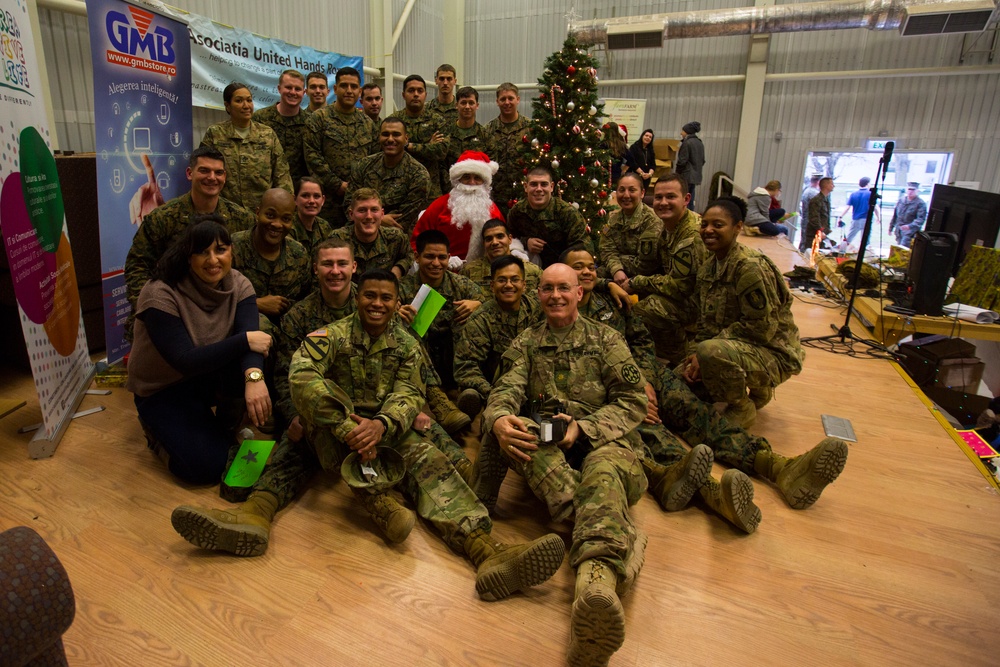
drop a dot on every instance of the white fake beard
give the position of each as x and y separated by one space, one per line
471 204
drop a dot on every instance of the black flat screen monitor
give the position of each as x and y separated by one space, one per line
971 215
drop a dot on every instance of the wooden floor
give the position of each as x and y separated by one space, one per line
894 564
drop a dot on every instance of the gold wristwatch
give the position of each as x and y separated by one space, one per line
254 376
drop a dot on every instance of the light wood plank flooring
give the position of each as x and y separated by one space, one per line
894 564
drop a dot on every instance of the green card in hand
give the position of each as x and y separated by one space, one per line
428 303
249 463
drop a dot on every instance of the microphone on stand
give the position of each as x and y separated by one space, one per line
887 155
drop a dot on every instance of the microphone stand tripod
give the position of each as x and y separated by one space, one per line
844 333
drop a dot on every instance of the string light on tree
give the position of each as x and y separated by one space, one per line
565 134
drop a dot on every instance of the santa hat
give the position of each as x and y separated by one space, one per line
473 162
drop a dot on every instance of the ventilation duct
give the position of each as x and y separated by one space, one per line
947 18
910 17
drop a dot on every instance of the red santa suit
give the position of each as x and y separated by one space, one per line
462 213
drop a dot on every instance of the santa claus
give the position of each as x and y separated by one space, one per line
462 213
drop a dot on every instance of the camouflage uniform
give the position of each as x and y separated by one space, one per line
818 219
345 371
321 231
449 110
403 188
485 337
160 229
442 336
591 371
253 165
910 213
667 298
390 248
333 143
474 138
289 275
746 334
558 224
601 308
631 244
696 421
432 156
478 271
508 141
290 131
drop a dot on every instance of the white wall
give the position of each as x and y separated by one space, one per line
509 40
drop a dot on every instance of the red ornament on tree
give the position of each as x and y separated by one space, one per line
546 148
524 138
582 169
571 70
603 194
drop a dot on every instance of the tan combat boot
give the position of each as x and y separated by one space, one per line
243 532
673 487
447 413
732 499
742 413
504 569
633 563
394 520
598 623
802 479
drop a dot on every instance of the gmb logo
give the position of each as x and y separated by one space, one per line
135 38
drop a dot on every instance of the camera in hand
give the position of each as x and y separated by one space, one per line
550 429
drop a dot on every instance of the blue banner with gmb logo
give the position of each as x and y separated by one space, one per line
142 108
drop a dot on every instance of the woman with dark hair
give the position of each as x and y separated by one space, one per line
197 346
255 161
641 158
691 156
747 339
614 141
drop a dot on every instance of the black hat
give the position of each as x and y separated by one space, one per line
694 127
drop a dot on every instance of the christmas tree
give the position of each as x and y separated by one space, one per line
566 135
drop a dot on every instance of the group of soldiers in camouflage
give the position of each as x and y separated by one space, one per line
584 394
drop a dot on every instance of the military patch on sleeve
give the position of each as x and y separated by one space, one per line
316 348
683 262
756 299
631 374
318 332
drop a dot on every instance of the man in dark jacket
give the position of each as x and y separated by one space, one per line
691 156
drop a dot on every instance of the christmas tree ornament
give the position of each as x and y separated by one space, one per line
555 164
571 70
576 205
576 129
602 213
570 105
534 142
524 139
598 164
603 194
546 147
592 111
582 169
594 182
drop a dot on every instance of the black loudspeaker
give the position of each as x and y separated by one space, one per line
930 268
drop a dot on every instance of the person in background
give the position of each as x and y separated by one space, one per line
507 132
288 120
760 215
444 103
197 346
909 216
819 215
309 229
371 102
375 246
690 156
427 133
318 90
641 158
857 203
808 193
254 156
337 137
614 141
